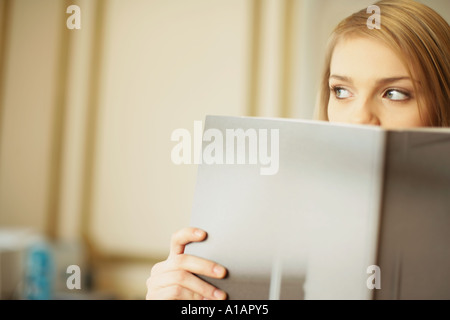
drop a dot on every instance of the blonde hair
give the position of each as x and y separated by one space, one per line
420 37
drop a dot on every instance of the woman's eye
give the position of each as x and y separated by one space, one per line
396 95
341 93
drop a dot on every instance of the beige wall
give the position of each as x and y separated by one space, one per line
190 61
29 93
86 115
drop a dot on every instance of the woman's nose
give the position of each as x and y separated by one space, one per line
365 112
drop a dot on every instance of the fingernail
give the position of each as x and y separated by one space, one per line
219 294
218 270
199 233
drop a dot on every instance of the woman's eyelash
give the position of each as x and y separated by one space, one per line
333 88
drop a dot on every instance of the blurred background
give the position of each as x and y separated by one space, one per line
86 117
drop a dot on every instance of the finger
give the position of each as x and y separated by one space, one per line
184 236
191 264
175 292
195 265
188 281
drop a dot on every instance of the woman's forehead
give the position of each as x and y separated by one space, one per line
366 57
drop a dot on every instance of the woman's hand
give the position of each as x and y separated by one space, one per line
174 278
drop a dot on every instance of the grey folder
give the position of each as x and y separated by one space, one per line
345 198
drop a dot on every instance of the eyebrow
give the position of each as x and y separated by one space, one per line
379 81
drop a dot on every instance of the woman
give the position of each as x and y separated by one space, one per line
395 77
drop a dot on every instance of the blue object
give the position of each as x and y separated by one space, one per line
39 272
